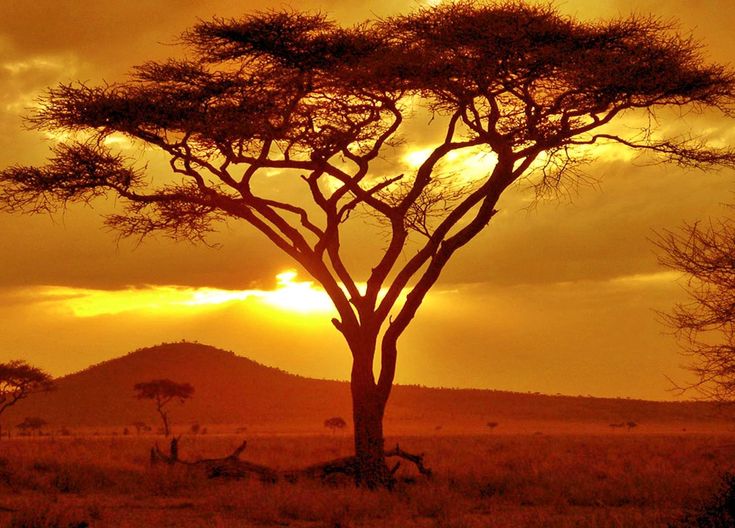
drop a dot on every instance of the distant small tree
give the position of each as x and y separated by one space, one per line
23 429
492 425
18 380
631 424
335 423
139 426
32 423
195 428
163 392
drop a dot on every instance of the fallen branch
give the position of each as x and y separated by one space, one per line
417 460
232 467
323 470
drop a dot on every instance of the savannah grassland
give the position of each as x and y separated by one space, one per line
611 479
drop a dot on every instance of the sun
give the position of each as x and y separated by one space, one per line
297 296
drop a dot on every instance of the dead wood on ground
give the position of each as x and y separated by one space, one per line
232 466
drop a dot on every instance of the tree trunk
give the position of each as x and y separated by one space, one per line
368 408
164 417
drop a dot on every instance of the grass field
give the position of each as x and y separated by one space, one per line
537 480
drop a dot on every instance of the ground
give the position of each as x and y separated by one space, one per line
616 478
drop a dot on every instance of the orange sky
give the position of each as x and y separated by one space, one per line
560 298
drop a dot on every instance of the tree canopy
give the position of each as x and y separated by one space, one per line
18 380
33 423
334 423
163 392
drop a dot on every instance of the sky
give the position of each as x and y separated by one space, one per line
557 298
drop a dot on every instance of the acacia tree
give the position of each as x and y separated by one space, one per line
139 426
705 323
334 423
295 98
18 380
32 423
163 392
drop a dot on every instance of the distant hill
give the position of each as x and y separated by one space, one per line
230 389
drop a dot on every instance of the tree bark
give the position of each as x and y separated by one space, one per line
368 407
164 417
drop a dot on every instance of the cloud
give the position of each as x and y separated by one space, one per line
599 233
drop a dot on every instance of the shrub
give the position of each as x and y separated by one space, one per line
48 515
717 512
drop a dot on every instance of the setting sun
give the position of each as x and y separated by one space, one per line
297 296
290 295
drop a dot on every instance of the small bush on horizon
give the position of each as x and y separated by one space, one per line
337 422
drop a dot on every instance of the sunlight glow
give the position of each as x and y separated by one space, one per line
468 164
415 158
33 64
661 277
118 140
290 295
300 297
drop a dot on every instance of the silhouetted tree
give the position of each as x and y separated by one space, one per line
18 380
492 425
139 426
705 323
295 98
163 391
32 423
335 423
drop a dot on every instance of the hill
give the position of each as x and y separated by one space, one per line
230 389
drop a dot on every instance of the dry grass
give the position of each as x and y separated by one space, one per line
554 481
